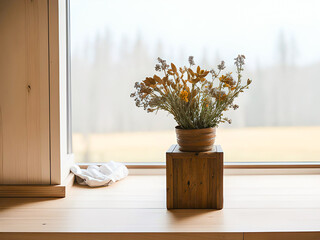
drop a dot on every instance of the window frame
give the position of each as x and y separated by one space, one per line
161 165
227 165
68 79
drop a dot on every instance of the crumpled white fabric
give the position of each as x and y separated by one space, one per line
95 176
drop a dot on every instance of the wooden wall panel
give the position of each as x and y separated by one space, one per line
54 91
24 92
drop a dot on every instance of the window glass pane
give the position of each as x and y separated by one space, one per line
116 43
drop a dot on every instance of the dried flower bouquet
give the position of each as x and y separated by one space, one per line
194 99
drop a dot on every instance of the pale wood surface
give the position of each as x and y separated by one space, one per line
256 203
38 191
32 92
54 91
24 93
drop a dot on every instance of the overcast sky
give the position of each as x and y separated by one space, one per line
220 28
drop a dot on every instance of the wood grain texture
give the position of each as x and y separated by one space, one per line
54 91
283 236
93 219
32 191
195 140
37 191
38 164
194 179
169 176
24 92
141 191
122 236
137 204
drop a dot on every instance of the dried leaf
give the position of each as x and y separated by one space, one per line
173 67
170 72
149 82
157 79
204 74
165 79
191 72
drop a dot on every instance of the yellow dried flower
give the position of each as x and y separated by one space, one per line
184 95
178 86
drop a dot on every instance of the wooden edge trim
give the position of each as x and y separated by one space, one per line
312 235
54 91
308 235
37 191
122 235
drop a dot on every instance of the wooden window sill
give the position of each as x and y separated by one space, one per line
256 207
227 165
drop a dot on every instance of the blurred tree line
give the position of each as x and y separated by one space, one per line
284 94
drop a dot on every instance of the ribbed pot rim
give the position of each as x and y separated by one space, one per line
195 129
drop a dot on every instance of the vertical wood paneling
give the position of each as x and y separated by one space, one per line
54 91
38 163
219 165
24 92
44 93
13 91
169 177
212 201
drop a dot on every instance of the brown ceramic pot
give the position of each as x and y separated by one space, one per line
195 140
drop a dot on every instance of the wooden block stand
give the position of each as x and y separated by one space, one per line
194 179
